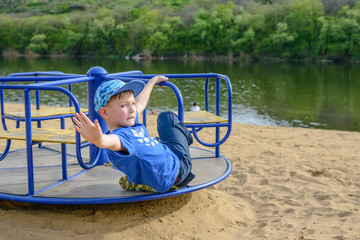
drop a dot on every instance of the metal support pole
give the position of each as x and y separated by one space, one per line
63 153
99 75
217 148
37 98
29 152
207 94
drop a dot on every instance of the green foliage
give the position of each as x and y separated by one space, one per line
73 44
100 36
5 25
282 39
176 35
278 28
210 28
303 20
324 36
157 43
38 44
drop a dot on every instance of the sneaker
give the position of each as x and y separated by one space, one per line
174 188
130 186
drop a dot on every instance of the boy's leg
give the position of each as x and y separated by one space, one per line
174 134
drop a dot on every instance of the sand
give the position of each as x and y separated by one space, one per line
287 183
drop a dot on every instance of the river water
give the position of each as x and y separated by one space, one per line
279 94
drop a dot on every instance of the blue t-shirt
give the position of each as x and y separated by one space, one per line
148 162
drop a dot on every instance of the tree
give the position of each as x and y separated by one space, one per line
350 24
250 25
74 42
21 30
199 31
302 19
175 31
209 29
38 44
143 27
51 27
246 43
324 36
281 39
5 26
333 6
337 38
100 35
121 36
158 43
345 33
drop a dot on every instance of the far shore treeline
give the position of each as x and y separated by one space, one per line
239 29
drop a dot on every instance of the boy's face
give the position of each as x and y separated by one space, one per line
121 112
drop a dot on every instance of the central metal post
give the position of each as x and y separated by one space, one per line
99 75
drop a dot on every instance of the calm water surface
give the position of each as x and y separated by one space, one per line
298 95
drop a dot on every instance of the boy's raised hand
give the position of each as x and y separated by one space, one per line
90 131
143 98
159 79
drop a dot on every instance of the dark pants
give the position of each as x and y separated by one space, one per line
173 133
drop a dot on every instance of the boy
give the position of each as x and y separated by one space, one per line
154 165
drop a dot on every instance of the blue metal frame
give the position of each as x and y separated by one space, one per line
51 81
197 127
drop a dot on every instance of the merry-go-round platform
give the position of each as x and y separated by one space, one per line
58 167
91 186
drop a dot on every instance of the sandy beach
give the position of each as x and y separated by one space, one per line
286 183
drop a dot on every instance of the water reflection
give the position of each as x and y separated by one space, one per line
299 95
249 115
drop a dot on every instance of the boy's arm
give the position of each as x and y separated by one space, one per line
143 98
92 132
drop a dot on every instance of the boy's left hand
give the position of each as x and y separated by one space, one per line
159 79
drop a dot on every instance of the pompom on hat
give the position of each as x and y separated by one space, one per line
110 88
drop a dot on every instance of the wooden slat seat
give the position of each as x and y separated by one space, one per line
46 112
202 117
54 135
